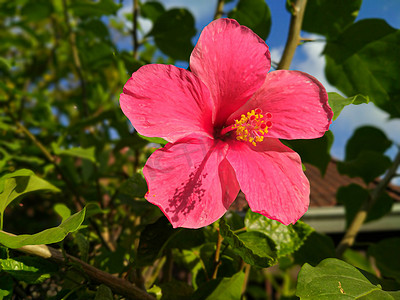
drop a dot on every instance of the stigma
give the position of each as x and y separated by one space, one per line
253 126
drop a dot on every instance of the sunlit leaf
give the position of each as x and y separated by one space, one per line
287 238
48 236
336 279
255 248
338 102
85 153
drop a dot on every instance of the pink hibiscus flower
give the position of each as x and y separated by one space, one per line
223 121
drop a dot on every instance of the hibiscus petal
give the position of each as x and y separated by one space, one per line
191 181
232 61
298 103
168 102
271 176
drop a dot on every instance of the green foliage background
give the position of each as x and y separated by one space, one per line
70 163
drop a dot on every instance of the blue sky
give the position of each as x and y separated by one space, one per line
308 59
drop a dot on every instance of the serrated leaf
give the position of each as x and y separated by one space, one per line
367 138
307 149
173 31
255 248
287 238
85 153
254 14
386 254
338 102
328 17
367 64
368 165
221 289
48 236
29 269
336 279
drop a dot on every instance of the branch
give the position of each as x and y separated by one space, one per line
134 30
219 11
294 34
359 219
117 285
76 59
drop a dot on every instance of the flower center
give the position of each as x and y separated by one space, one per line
251 127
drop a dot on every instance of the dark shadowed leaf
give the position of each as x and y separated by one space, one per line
255 248
88 8
364 60
6 285
336 279
353 196
387 258
328 17
315 248
103 293
151 10
367 138
338 102
254 14
221 289
368 165
308 149
173 31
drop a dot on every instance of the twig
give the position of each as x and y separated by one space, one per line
359 219
75 56
246 278
134 29
219 11
217 261
294 34
117 285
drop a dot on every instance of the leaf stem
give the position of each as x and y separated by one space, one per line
117 285
294 34
359 219
247 269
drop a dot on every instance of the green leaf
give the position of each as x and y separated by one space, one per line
4 64
367 138
364 60
316 248
338 102
85 153
255 248
173 31
353 196
88 8
176 290
31 270
336 279
35 11
19 183
134 186
254 14
83 245
48 236
6 285
151 10
308 148
328 17
287 238
103 293
62 210
221 289
386 254
368 165
359 260
155 140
